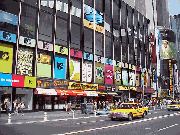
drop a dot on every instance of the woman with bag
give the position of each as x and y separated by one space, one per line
22 106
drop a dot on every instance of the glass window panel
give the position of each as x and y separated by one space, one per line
99 44
89 2
75 36
76 11
45 26
88 34
99 5
124 52
28 19
123 15
117 50
61 32
62 8
30 2
108 47
10 6
108 17
131 53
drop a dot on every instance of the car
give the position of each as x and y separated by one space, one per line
128 111
173 106
102 112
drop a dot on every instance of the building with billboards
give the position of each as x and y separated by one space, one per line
72 50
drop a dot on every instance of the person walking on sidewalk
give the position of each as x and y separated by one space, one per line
8 107
22 106
15 107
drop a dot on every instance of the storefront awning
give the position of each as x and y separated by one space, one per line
91 93
78 93
63 92
45 91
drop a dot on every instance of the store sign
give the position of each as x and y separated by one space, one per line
108 74
108 61
60 68
123 87
61 49
75 53
17 81
51 83
99 72
9 18
45 46
30 82
91 93
5 79
27 41
82 86
7 36
88 56
101 87
99 59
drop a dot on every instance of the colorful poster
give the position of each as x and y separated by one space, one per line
74 69
88 56
5 79
61 49
6 58
108 74
25 61
137 79
6 36
30 82
17 81
60 68
76 53
9 18
117 75
89 72
84 72
27 41
168 50
124 77
43 65
45 46
142 79
99 72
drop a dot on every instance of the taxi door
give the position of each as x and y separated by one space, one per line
141 110
136 110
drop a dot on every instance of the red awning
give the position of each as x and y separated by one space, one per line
63 92
78 93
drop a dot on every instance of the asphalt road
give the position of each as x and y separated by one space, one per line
156 122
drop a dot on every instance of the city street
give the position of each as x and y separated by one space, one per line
156 122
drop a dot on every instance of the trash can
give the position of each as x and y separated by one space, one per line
89 108
83 107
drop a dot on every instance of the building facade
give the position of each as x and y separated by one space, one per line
54 52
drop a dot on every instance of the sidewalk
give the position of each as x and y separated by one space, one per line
39 117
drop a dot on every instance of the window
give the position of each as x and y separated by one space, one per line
124 52
108 48
45 26
116 17
75 36
61 32
131 53
99 5
108 13
28 21
99 44
130 24
30 2
76 11
117 50
62 8
123 22
88 41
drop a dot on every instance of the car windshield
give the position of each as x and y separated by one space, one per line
126 106
175 103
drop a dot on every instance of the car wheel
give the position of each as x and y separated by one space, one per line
130 117
143 115
113 119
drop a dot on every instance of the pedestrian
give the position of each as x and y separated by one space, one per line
65 106
116 104
22 106
69 107
8 107
14 107
103 103
99 105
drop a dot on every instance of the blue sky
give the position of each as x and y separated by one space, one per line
174 7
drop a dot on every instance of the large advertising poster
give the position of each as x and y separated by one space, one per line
108 74
117 75
43 65
30 82
168 50
132 79
17 81
25 59
6 57
142 79
124 77
5 79
87 72
7 36
74 69
9 18
60 67
137 79
99 72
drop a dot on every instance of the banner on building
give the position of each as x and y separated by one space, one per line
87 72
8 18
117 75
45 46
30 82
7 36
76 53
61 49
99 72
82 86
5 79
17 81
124 77
74 69
27 41
108 74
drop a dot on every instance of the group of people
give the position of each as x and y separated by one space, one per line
16 107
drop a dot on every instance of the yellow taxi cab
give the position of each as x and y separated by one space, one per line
175 105
145 108
128 110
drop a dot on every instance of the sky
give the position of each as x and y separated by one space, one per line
174 7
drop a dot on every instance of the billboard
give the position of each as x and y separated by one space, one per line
6 36
87 72
76 53
60 67
88 56
5 79
25 61
27 41
30 82
132 79
108 74
43 65
6 58
99 72
124 77
17 81
168 50
74 69
137 79
45 46
61 49
117 75
8 18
